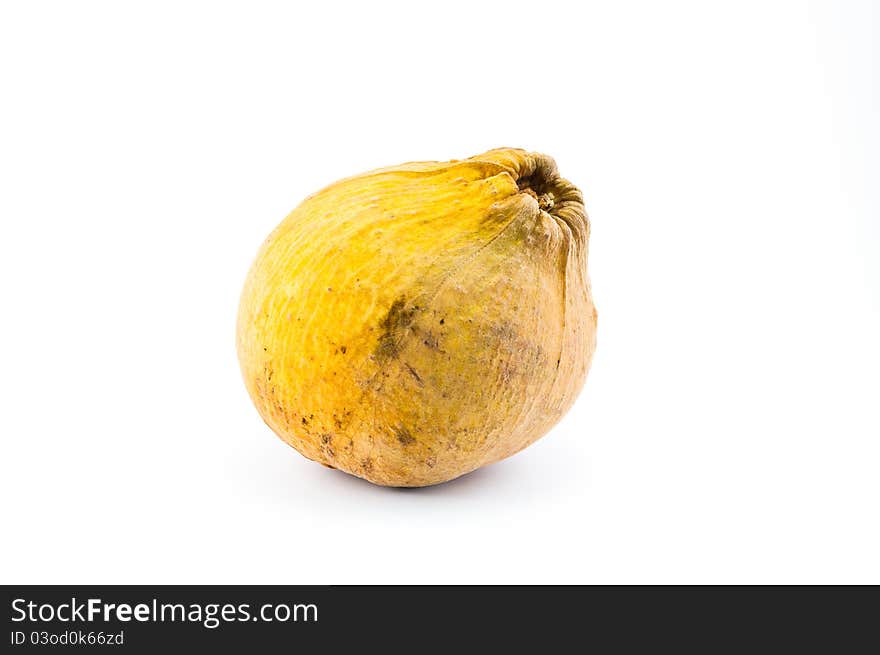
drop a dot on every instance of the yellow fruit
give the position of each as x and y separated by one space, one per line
414 323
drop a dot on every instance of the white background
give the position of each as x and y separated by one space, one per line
730 429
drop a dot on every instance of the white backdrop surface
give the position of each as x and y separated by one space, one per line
729 429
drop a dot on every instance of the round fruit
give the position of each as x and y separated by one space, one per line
414 323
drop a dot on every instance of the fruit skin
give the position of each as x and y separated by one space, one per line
414 323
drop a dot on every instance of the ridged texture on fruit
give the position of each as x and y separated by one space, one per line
414 323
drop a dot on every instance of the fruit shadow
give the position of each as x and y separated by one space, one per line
467 483
545 470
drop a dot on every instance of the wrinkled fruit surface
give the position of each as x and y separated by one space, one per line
414 323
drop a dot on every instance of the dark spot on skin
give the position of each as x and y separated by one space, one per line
431 461
367 464
404 437
265 349
442 321
394 326
325 445
430 341
343 349
305 421
414 373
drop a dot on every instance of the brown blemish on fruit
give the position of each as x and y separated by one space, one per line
404 436
394 327
431 341
414 373
327 449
